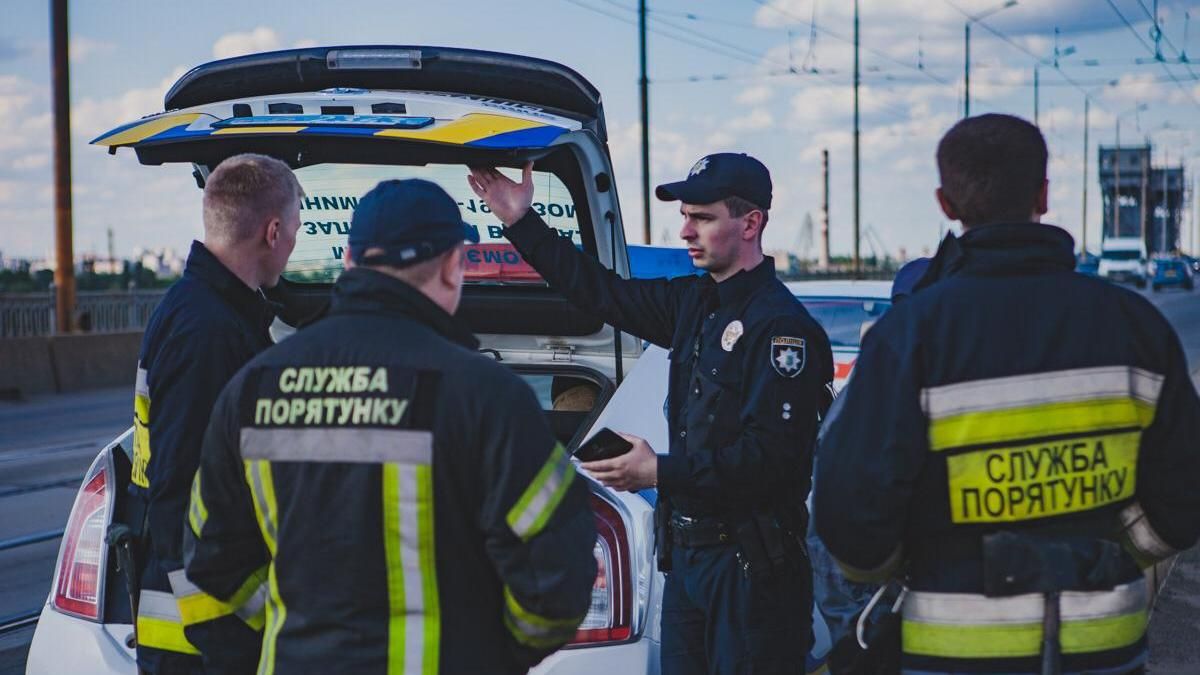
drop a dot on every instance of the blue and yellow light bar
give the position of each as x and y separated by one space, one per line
479 130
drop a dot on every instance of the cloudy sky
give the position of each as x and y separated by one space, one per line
768 77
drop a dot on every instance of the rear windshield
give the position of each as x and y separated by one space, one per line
1121 255
333 190
845 320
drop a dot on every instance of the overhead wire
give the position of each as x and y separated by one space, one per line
1156 51
837 36
724 48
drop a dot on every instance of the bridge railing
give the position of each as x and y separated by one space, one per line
32 314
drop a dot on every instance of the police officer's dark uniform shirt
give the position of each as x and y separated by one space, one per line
1007 429
748 369
397 498
207 325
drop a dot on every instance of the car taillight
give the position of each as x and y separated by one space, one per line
610 618
83 556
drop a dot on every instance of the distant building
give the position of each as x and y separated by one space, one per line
1140 199
164 262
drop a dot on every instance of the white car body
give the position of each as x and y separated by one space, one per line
1123 259
810 293
91 613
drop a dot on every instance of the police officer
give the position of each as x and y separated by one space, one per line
749 369
395 497
1017 438
208 324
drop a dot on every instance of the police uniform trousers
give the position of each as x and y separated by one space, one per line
717 620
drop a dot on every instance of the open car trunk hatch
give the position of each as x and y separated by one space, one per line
358 127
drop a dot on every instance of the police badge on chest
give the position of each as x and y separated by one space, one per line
788 355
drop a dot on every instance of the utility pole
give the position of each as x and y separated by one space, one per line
1086 104
1035 95
1116 228
857 177
966 69
824 261
644 92
1145 185
64 257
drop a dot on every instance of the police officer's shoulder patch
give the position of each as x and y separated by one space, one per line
788 355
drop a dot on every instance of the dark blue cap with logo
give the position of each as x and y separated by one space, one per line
410 220
721 175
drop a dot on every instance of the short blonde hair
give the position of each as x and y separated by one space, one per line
244 192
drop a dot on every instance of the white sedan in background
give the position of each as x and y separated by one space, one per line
846 310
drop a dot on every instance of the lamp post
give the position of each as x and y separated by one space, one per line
967 51
1117 174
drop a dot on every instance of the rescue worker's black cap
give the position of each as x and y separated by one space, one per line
721 175
411 220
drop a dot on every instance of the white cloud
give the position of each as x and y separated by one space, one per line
83 47
37 160
756 95
261 39
91 117
305 43
756 120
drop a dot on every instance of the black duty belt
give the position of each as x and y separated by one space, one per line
699 532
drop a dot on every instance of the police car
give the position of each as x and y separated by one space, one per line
846 310
345 118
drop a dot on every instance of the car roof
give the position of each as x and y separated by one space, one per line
879 290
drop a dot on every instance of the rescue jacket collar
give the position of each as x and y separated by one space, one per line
366 291
1002 248
249 303
739 286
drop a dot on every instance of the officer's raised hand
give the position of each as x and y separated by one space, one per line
506 198
634 470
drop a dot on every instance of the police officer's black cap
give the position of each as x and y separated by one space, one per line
410 220
719 176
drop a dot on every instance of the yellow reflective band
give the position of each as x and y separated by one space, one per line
1035 421
1019 639
143 131
395 573
429 585
276 615
196 606
163 634
262 490
467 128
534 630
414 621
1045 479
539 501
141 440
197 512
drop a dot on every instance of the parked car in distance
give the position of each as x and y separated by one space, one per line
846 310
1123 259
1169 272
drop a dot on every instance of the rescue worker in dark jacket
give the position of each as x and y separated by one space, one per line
1018 440
749 372
210 323
399 496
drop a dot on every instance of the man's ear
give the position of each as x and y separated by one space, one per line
452 266
347 259
947 205
1043 200
753 225
273 232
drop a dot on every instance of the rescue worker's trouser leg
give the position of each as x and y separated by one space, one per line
715 620
839 599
